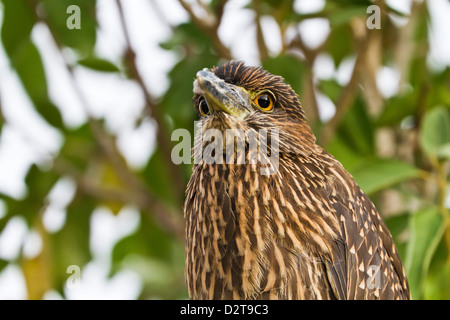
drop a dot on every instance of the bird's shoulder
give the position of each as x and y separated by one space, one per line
362 260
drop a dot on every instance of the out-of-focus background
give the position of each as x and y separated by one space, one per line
91 91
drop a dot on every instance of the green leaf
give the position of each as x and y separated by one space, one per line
155 174
331 88
5 218
98 64
439 93
187 35
177 102
357 129
350 3
341 12
3 264
343 16
162 280
397 108
80 147
18 20
291 68
30 69
437 283
435 132
398 226
24 56
2 120
70 245
375 175
82 40
437 286
426 230
39 184
443 152
156 256
156 273
149 240
346 155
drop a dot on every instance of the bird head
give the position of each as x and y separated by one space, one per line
236 96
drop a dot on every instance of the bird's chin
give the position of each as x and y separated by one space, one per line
223 121
219 130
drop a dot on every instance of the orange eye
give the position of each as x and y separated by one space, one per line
264 101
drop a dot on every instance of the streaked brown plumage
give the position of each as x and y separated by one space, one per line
305 232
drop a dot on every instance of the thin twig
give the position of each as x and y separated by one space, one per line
441 182
220 10
311 106
138 192
159 12
167 220
209 27
262 47
2 117
162 135
348 94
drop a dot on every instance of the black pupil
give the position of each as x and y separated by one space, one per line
204 108
264 101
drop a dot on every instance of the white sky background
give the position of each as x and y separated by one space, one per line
27 139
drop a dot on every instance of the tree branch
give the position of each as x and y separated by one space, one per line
220 10
138 197
310 104
210 27
138 193
2 117
162 135
348 94
262 47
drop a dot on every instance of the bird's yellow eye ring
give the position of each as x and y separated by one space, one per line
203 107
264 101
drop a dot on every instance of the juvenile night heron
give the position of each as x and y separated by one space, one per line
307 231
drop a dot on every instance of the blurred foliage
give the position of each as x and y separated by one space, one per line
397 148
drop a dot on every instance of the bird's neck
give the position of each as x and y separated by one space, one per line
236 217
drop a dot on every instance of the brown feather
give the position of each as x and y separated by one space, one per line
306 232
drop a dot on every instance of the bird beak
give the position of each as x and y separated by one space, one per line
222 96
